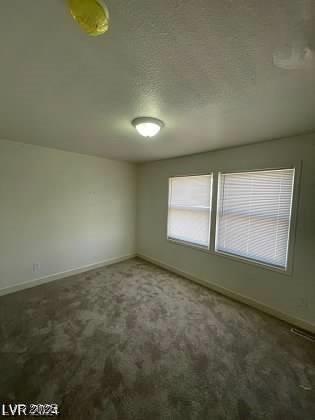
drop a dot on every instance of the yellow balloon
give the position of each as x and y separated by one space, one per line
91 15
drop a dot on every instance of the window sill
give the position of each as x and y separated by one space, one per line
189 245
235 258
254 263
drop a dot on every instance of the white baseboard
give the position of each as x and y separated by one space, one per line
235 296
64 274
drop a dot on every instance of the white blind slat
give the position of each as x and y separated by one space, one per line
189 209
254 214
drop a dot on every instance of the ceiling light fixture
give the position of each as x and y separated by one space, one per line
147 126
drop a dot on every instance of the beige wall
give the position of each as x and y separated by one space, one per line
61 210
293 295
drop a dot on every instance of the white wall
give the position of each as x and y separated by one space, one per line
292 295
61 210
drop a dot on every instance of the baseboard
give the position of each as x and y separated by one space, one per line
235 296
61 275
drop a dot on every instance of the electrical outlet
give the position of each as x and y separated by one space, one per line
36 267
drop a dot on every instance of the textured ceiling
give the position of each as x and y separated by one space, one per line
206 68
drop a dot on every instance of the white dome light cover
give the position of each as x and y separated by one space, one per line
147 126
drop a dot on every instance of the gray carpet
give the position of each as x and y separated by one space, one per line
133 341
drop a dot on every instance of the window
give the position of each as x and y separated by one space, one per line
189 209
254 214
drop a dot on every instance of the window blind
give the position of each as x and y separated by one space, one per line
254 214
189 209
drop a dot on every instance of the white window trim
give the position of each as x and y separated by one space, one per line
297 165
291 241
187 243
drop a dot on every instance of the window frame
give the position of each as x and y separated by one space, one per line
292 228
180 241
210 250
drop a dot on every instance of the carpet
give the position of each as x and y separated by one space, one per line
133 341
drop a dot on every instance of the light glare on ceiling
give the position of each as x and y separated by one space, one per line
147 127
